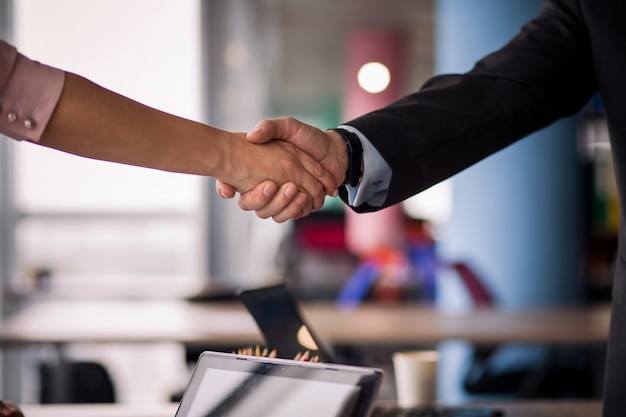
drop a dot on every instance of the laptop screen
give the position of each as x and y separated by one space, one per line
231 385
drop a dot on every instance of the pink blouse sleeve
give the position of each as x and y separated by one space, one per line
29 93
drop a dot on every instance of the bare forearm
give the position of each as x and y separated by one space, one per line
93 122
96 123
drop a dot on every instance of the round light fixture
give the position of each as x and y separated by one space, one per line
374 77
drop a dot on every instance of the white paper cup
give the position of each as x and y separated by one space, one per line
416 377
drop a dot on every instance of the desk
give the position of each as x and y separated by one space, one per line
228 324
551 409
100 410
512 409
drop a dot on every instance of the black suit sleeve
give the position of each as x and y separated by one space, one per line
454 121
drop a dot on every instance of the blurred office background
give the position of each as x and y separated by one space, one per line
523 219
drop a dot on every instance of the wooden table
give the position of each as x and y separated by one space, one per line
62 322
99 410
217 324
551 409
512 409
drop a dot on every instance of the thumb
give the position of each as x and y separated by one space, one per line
262 132
284 128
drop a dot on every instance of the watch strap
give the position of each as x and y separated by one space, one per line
355 156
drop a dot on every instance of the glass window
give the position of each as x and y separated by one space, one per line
97 225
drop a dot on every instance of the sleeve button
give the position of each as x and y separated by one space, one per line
12 116
30 123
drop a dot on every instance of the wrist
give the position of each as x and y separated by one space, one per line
338 154
353 151
230 158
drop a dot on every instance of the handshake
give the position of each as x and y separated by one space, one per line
309 164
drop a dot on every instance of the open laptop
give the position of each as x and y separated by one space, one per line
284 328
230 385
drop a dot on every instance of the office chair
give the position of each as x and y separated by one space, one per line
83 382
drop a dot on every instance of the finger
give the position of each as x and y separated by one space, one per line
287 203
294 210
315 179
281 200
315 189
315 185
258 197
224 190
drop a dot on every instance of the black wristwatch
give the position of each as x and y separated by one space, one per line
355 157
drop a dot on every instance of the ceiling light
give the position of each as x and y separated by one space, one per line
374 77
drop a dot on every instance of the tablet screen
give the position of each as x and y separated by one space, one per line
242 386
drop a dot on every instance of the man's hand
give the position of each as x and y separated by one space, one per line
303 181
325 147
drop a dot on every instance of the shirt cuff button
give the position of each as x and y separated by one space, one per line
30 123
12 116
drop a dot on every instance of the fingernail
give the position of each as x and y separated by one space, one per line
269 190
221 193
291 191
257 129
301 200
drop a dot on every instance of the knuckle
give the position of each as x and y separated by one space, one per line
319 192
319 170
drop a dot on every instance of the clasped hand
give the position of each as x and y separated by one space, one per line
294 198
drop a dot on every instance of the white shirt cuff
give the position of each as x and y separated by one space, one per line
376 175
